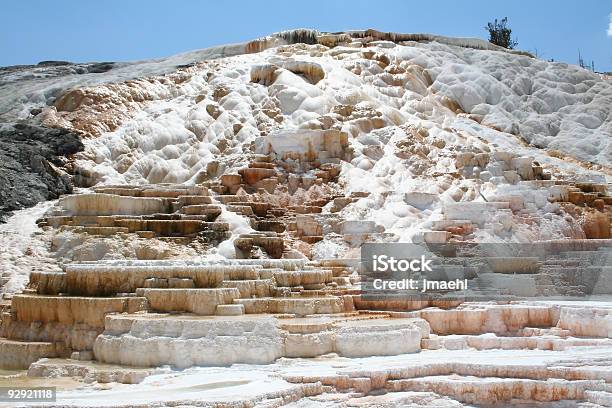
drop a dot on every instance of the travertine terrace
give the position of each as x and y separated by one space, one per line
214 240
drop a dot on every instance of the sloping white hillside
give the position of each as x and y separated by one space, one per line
550 105
411 110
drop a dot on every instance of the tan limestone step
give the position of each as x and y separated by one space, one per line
197 301
18 355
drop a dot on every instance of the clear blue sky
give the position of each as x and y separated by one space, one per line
120 30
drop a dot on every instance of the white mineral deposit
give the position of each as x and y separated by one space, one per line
209 254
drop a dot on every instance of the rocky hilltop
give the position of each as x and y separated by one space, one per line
222 198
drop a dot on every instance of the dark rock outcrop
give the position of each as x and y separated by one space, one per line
51 69
31 158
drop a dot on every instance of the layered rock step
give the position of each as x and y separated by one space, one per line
110 279
241 192
69 308
153 190
530 191
474 369
165 211
545 268
19 354
539 339
150 313
295 306
196 301
269 241
55 326
524 194
474 390
184 341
